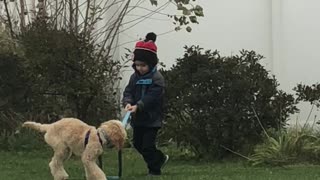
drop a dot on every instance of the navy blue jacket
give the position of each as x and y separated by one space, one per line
147 93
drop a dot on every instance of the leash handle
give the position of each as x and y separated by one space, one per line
126 118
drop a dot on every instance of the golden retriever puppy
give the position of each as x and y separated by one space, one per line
70 135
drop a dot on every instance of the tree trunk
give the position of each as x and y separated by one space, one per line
22 15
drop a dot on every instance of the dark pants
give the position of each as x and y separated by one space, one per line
144 141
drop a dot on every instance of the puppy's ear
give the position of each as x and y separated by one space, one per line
116 132
121 136
109 122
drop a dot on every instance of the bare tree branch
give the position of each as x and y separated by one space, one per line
33 9
116 28
86 17
76 17
8 18
71 10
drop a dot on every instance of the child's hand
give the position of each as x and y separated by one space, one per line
133 108
128 107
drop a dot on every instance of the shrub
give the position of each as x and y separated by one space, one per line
214 101
13 90
21 140
69 76
294 145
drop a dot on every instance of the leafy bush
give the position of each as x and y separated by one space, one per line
21 140
308 93
13 90
69 77
295 145
46 74
8 45
214 101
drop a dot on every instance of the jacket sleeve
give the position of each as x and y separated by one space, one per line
153 97
128 93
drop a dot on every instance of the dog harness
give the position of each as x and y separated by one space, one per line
86 140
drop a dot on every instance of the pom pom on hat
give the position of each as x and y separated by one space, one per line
151 37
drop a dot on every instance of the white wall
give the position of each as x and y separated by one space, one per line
286 32
228 25
298 42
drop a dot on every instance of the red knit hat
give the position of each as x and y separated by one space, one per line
146 51
147 46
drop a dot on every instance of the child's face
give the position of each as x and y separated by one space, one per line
141 67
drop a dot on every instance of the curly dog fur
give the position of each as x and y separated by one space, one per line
67 136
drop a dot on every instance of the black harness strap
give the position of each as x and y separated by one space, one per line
100 140
86 140
100 157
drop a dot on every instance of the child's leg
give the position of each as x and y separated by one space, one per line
153 157
138 133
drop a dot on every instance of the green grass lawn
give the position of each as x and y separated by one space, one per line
34 166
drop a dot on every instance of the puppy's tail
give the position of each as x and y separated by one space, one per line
36 126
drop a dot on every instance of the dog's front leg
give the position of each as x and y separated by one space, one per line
93 172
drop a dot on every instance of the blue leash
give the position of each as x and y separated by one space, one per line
126 119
